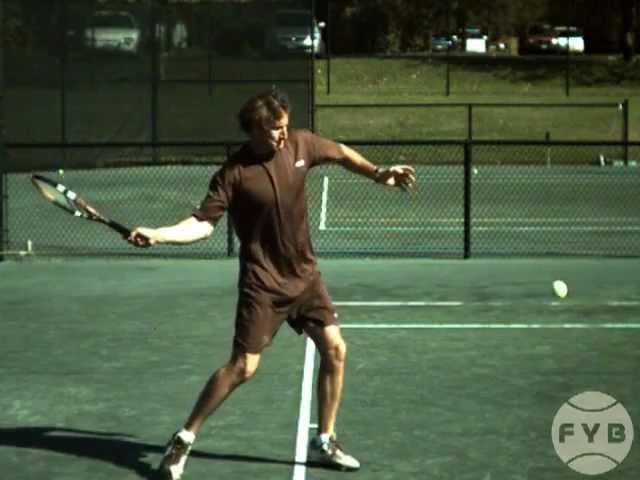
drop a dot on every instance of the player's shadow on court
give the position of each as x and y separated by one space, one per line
114 448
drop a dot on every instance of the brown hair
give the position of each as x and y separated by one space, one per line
262 109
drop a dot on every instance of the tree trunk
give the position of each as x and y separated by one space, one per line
627 11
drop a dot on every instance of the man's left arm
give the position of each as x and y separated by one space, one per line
403 176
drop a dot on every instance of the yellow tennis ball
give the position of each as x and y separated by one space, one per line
560 288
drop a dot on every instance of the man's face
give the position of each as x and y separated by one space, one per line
272 136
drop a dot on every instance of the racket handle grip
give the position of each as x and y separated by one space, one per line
121 229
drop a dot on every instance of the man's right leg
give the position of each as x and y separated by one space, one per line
240 368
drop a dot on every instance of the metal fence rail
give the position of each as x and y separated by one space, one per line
460 73
474 198
477 120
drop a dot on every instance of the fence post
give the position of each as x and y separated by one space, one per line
3 236
571 15
328 73
230 239
210 38
448 76
467 197
469 122
3 206
155 52
3 201
567 76
625 130
64 57
328 47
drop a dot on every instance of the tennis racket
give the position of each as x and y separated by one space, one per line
70 202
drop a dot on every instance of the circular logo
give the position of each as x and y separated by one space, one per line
592 433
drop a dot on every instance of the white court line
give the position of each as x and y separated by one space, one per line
325 199
304 414
435 229
572 221
487 326
528 179
429 303
398 304
623 303
486 229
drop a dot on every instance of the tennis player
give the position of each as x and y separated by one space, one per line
262 188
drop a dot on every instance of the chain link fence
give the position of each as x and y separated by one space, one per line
577 121
143 71
473 198
574 200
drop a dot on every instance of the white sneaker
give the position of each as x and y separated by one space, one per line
175 458
331 454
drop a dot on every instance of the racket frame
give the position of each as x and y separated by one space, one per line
75 205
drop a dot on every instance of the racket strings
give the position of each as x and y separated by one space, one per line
62 197
66 199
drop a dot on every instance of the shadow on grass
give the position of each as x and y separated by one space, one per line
114 448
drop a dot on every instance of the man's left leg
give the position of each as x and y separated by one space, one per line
332 349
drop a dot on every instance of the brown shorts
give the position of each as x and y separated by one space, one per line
259 315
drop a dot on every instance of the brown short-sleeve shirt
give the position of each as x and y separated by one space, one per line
265 198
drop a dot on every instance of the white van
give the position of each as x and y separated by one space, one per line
475 41
571 36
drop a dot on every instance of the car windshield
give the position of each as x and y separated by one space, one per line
540 31
293 19
568 33
111 21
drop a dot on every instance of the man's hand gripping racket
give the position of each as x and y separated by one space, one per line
142 237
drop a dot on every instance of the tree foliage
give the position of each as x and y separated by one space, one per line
407 25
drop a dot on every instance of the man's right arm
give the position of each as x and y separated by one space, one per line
187 231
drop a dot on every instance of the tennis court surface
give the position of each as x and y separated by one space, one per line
456 368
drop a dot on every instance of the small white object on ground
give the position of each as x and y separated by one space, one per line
560 288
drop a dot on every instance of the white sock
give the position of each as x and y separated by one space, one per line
187 436
324 437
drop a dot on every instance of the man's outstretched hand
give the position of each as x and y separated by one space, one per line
403 176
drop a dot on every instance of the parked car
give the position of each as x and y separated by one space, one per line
540 39
295 31
113 30
569 37
444 42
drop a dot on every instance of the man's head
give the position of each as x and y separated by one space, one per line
265 118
